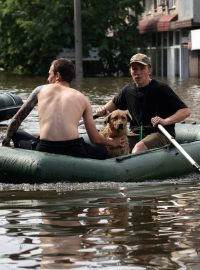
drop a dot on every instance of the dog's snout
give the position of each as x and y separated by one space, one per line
121 126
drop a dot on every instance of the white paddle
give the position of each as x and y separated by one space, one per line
179 147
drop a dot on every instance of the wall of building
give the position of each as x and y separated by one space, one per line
196 8
185 10
189 10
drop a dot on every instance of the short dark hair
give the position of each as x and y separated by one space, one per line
65 67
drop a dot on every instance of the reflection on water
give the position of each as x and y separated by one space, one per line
120 226
138 226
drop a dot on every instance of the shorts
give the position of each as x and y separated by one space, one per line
155 140
77 148
24 140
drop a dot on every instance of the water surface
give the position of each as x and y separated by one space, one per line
120 226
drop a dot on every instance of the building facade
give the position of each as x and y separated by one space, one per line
171 30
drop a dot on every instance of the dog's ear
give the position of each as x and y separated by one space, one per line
129 118
107 119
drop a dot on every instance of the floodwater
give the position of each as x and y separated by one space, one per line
121 226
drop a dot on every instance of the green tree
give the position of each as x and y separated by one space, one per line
111 25
33 32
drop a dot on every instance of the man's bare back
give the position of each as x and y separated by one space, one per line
60 108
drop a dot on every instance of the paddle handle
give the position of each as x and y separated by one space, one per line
95 116
179 147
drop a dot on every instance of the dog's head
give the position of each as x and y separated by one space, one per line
117 120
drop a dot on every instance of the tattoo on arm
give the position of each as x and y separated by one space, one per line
22 113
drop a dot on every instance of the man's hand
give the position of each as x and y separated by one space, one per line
101 111
6 142
157 120
118 141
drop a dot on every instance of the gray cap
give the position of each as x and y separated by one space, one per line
140 58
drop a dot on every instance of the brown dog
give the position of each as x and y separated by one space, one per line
115 125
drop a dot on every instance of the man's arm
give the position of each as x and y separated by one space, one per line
106 109
93 134
20 116
178 116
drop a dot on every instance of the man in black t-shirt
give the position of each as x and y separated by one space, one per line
149 103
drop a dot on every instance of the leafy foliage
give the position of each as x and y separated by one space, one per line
33 32
112 28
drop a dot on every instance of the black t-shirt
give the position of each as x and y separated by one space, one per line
155 99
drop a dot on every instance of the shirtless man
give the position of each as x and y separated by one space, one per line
60 109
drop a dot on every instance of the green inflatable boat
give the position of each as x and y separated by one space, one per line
27 166
9 105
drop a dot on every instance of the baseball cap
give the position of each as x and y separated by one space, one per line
140 58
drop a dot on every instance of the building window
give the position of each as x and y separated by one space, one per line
155 5
161 3
164 37
171 4
149 5
177 38
171 40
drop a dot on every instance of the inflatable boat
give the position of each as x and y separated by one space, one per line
9 105
28 166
